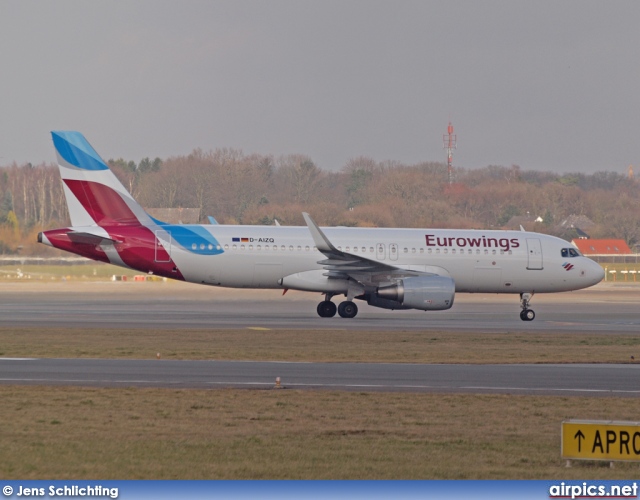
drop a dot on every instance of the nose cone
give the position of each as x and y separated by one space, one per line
595 272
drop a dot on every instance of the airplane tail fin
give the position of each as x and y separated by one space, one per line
94 194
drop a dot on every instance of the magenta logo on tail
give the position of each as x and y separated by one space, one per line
105 206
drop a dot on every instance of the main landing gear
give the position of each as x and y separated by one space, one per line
526 314
327 309
346 309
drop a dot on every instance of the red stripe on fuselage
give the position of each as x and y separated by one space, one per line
105 205
137 250
59 239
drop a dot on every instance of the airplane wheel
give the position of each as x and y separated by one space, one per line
527 315
347 309
326 309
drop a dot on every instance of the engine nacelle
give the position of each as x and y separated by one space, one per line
427 293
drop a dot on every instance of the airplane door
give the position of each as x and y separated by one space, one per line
380 251
163 252
534 255
393 251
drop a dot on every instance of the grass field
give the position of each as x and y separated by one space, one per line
85 271
622 273
79 433
319 345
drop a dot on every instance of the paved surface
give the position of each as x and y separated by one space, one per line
603 309
582 380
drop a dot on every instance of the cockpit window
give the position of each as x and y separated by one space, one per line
569 252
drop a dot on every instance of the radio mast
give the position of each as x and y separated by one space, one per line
449 143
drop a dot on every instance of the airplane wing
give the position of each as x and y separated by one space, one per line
343 265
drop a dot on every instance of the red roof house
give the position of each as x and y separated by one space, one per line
601 247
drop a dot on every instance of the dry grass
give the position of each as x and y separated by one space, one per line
319 345
85 271
80 433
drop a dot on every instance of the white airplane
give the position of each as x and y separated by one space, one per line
388 268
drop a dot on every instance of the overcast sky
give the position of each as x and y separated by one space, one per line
547 85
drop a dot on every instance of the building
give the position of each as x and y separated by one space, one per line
605 251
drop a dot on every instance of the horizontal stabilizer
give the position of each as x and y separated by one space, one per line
89 239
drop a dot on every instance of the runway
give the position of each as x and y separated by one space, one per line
604 308
566 380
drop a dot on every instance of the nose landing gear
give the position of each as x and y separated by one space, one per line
526 314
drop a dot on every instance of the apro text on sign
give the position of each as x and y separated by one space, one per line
601 440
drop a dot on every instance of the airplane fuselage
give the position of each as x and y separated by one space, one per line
388 268
262 256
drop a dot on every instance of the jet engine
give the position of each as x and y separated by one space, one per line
427 293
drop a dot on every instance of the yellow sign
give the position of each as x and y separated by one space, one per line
601 440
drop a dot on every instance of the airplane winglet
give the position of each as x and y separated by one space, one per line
319 238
